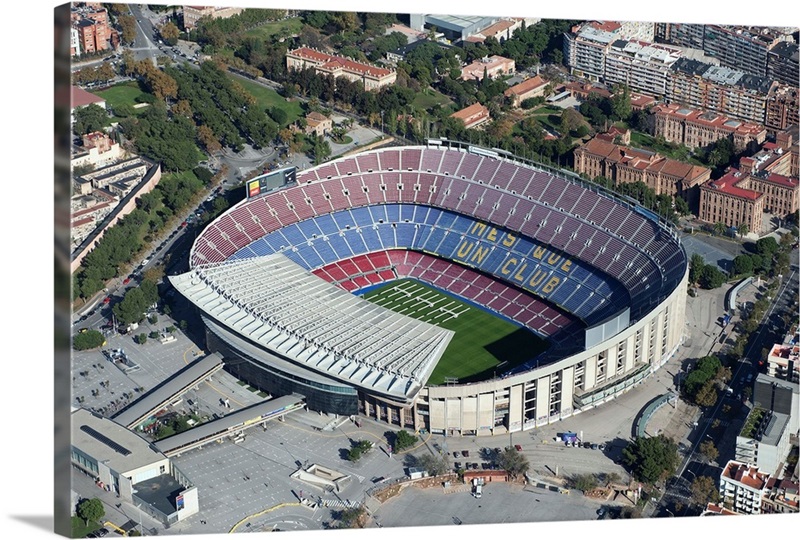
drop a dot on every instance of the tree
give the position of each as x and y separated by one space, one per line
651 458
358 449
704 491
89 339
743 229
403 440
681 206
719 228
170 33
91 510
141 339
711 277
696 265
766 247
708 449
352 517
570 120
584 482
513 462
280 116
742 265
435 465
91 118
128 25
707 395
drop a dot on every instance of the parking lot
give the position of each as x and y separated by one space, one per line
238 480
500 503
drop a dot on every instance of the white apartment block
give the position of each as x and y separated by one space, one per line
642 66
741 487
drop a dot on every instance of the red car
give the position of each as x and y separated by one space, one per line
184 224
518 447
107 300
126 281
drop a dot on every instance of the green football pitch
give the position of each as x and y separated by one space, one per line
483 344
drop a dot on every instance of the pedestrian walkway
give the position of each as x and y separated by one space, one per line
336 503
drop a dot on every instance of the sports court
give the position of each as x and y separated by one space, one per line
484 344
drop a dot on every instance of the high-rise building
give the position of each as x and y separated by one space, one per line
742 48
642 66
782 63
730 92
781 107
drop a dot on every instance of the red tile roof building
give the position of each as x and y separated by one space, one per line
529 88
728 201
781 497
741 487
696 128
373 77
621 164
472 116
493 66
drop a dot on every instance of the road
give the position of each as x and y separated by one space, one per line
728 424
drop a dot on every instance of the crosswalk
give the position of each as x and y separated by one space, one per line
336 503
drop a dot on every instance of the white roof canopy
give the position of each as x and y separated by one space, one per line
284 308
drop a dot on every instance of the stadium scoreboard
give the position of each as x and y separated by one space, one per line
270 181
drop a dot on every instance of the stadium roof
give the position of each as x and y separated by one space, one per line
279 305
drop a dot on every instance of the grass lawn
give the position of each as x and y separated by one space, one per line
80 529
481 342
122 94
293 26
268 97
547 109
429 98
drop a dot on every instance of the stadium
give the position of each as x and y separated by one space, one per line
444 287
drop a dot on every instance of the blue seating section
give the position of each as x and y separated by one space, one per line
566 282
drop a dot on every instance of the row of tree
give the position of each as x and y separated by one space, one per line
704 380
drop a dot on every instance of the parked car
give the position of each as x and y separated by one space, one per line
465 453
455 454
518 447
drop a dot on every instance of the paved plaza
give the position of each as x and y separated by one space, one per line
500 503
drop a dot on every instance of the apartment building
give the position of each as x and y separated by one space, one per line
601 157
688 35
744 48
764 440
730 92
695 128
642 66
472 116
741 487
725 201
372 77
492 67
585 48
92 32
783 362
192 14
782 64
782 107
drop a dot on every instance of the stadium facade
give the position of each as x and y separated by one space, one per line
602 280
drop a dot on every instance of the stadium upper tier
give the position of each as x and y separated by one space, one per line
521 224
279 305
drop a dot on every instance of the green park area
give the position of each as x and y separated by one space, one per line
122 94
268 98
284 28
